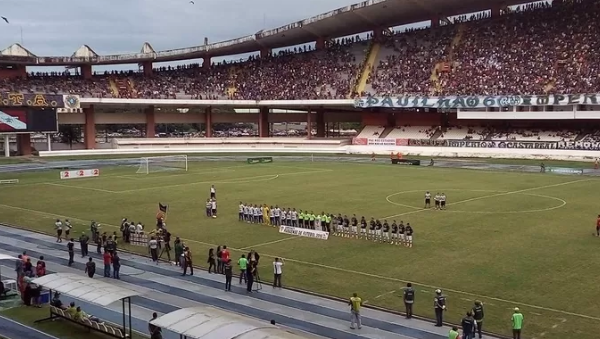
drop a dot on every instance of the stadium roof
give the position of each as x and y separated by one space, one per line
349 20
87 289
207 322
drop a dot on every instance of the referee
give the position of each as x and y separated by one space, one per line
478 315
439 305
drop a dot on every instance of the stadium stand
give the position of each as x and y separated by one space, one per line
533 49
371 132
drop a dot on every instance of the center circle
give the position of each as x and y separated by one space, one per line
489 195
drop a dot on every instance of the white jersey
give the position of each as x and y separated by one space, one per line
283 214
427 196
212 190
437 198
294 215
277 212
242 208
246 210
443 198
288 215
214 205
256 211
58 225
271 213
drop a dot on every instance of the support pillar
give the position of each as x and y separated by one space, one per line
147 66
89 132
320 44
495 11
24 144
435 21
263 122
7 145
150 122
265 52
48 142
208 121
377 34
86 71
309 124
320 123
206 62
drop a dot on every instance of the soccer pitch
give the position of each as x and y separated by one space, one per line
507 238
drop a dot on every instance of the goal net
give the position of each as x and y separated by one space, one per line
161 164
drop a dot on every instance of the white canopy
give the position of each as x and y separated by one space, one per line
7 257
94 291
212 323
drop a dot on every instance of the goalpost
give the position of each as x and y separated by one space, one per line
165 163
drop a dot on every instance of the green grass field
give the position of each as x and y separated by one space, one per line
508 239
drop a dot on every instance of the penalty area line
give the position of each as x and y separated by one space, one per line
344 270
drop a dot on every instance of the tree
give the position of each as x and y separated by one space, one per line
70 134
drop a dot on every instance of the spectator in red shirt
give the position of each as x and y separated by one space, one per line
107 262
224 254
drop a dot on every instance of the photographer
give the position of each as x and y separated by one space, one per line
277 272
153 246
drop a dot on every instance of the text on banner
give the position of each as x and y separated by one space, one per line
84 173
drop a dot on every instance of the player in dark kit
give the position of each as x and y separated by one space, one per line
386 231
354 226
394 232
363 227
427 200
409 235
346 223
372 225
401 233
378 227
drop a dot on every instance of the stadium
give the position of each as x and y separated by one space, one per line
354 112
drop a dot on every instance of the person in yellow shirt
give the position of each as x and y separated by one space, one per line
266 210
71 310
355 305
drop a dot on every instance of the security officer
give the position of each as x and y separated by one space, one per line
409 300
478 315
439 305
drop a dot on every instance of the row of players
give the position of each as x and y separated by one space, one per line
440 201
373 230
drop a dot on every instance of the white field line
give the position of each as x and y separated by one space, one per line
269 243
562 202
231 181
339 269
384 294
241 180
493 196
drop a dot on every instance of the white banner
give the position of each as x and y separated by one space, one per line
304 232
381 142
87 173
466 101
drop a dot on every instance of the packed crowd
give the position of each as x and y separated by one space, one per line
536 48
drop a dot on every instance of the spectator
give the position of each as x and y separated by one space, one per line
56 302
116 262
107 262
90 268
80 315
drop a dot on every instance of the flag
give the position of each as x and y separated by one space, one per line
162 208
5 19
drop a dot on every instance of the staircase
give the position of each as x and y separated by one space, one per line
232 89
114 90
444 66
386 131
124 88
369 62
437 134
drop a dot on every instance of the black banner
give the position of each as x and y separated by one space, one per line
31 99
566 145
406 162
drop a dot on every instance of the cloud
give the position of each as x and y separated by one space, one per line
59 27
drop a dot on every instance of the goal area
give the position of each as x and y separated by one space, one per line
162 164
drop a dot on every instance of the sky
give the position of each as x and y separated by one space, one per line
60 27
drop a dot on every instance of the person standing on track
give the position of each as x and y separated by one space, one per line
478 315
213 192
409 300
355 305
517 323
439 306
71 250
228 270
